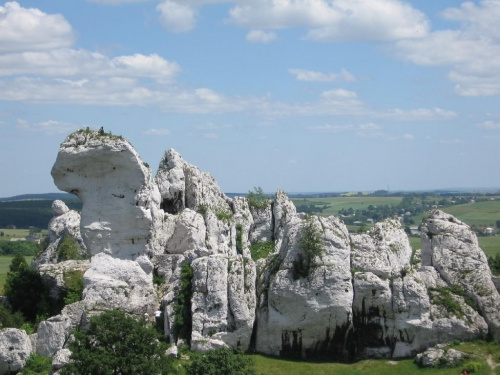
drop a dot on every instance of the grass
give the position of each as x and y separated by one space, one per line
335 204
415 243
479 349
480 214
4 268
490 245
14 233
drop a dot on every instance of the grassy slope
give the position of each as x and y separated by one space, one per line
481 214
479 349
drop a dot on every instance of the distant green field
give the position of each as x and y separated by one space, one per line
490 245
481 214
4 268
478 349
335 204
13 233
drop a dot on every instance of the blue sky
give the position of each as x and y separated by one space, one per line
301 95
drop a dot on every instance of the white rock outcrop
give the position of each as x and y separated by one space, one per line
452 249
15 348
65 223
118 219
361 296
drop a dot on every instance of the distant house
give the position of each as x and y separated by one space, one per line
33 238
15 239
414 230
369 221
357 223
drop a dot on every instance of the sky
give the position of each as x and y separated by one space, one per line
300 95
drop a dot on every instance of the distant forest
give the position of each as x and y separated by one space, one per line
32 210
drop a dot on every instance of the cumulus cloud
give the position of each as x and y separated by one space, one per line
115 2
47 127
160 132
28 29
334 20
489 125
472 50
70 62
176 17
261 36
313 76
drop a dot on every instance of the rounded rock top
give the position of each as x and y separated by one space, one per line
59 208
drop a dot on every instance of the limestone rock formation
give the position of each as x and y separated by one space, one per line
65 223
307 315
120 207
52 335
15 348
452 249
54 275
321 292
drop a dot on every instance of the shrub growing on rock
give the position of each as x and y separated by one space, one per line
118 344
257 198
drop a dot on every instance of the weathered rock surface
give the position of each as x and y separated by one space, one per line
440 356
118 220
61 359
307 316
452 249
65 223
15 348
54 275
52 335
362 296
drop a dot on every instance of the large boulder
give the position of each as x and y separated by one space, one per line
307 315
15 348
65 223
52 335
119 218
451 247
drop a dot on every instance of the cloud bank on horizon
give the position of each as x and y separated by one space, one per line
304 95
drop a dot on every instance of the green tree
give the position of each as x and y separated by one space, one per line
37 365
68 249
257 198
118 344
311 245
220 361
26 291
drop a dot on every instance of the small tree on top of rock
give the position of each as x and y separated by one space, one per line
311 245
257 198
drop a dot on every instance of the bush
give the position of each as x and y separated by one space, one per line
117 344
9 319
220 361
37 365
68 249
73 281
26 291
239 238
257 198
182 310
311 244
261 250
472 366
494 263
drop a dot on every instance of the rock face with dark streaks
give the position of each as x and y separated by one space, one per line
319 292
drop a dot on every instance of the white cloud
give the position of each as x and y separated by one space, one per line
331 128
312 76
176 17
47 127
115 2
28 29
408 136
261 36
472 50
211 136
70 62
334 20
160 132
489 125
